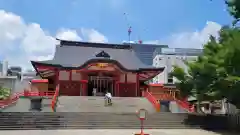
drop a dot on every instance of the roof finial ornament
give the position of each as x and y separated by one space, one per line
103 54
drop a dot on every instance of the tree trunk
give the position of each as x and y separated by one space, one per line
199 100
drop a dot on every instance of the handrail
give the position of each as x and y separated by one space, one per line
55 99
37 93
169 95
185 105
152 99
13 99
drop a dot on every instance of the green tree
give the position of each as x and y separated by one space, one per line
234 9
230 38
184 84
202 75
215 74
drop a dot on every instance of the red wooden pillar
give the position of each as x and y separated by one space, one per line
57 82
70 75
116 89
84 87
126 86
137 85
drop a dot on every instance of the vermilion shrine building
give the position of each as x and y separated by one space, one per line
79 67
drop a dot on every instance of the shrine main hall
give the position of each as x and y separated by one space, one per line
80 67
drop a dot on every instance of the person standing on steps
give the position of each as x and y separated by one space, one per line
94 92
108 96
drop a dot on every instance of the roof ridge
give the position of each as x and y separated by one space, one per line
92 44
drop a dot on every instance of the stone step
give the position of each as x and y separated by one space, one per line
50 127
92 120
90 116
84 113
96 117
5 121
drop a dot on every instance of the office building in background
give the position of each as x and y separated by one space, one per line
145 51
3 68
168 57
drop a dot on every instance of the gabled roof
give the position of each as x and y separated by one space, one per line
80 54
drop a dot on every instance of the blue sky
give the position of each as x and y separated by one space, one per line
150 20
155 21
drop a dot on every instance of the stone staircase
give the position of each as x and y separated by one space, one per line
84 120
89 113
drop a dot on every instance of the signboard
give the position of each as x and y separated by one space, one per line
142 114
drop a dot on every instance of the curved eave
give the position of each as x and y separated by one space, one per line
35 63
147 76
37 72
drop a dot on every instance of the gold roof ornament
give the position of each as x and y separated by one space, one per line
102 65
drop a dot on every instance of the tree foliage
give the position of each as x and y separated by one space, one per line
216 73
4 93
234 8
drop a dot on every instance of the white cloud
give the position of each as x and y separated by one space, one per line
35 40
156 42
195 39
93 35
189 39
21 42
11 27
68 34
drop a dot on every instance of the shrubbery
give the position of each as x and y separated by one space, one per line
4 92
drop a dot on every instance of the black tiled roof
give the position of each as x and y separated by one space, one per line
76 54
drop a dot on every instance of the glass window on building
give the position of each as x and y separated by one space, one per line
170 78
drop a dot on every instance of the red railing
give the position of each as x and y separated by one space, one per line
162 96
32 93
12 100
152 99
171 96
185 105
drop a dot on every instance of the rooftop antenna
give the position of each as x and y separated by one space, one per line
129 28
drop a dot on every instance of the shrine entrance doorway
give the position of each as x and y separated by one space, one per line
102 84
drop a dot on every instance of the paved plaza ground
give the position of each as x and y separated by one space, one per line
112 132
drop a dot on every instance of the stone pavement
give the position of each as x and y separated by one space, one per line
111 132
87 104
96 104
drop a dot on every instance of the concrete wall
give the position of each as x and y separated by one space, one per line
175 108
9 82
14 84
